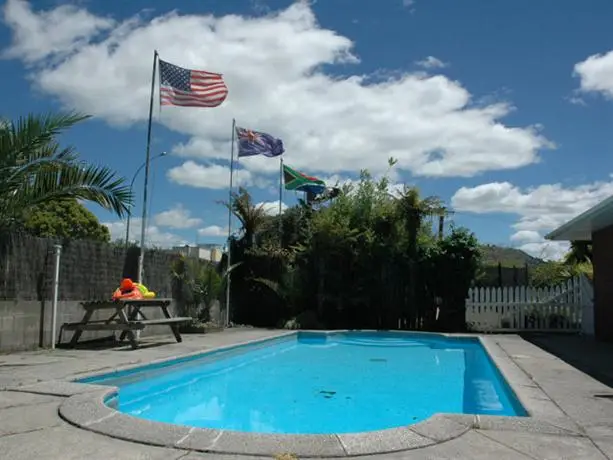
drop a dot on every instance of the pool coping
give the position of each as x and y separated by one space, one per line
90 406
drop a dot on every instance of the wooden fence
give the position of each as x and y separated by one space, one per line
566 307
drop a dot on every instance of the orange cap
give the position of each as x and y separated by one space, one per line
126 284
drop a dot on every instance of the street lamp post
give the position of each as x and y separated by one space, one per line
140 168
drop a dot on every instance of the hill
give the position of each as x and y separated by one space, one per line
507 257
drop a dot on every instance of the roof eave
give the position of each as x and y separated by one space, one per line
580 221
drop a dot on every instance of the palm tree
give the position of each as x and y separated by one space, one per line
580 252
251 217
35 170
413 209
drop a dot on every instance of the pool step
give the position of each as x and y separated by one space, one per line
385 343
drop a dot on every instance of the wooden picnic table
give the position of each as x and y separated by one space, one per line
125 318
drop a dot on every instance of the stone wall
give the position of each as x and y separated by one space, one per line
88 271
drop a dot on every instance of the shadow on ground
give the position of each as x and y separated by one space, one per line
589 356
111 343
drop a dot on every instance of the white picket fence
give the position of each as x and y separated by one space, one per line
567 307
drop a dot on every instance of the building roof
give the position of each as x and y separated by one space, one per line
581 227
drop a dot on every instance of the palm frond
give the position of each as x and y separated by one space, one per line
35 169
98 184
33 135
272 285
231 268
251 217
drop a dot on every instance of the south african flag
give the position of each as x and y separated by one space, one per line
300 182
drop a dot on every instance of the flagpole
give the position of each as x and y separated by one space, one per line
230 224
281 199
141 255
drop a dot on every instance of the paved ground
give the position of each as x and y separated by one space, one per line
593 358
30 427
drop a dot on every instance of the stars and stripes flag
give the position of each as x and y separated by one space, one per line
190 88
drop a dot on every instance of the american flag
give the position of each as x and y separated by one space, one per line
190 88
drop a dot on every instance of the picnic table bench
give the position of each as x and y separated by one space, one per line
125 318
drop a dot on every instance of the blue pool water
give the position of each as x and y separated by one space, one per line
312 384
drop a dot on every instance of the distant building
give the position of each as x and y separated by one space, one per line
204 251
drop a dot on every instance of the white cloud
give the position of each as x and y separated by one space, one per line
153 237
394 187
272 207
408 3
208 176
50 34
337 180
329 124
432 63
576 99
177 217
546 250
596 74
527 236
540 209
213 230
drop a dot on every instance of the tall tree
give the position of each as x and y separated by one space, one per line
251 217
35 169
413 209
65 219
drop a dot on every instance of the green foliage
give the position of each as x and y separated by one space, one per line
554 272
196 284
580 252
35 170
64 219
578 261
454 263
251 217
366 259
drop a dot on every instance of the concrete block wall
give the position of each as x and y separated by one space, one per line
26 325
88 271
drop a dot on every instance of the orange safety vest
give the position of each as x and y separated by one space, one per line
131 294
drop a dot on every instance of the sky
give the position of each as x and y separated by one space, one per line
503 109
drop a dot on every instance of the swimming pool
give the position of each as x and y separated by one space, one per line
319 383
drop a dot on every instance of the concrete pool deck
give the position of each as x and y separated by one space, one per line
569 419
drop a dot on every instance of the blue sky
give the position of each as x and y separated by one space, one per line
501 108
